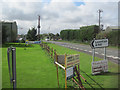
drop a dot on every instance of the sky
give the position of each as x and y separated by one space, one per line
57 15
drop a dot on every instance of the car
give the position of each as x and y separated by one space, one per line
47 39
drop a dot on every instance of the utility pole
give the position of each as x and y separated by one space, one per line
99 11
38 27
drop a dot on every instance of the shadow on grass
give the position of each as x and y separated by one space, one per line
16 45
109 73
96 83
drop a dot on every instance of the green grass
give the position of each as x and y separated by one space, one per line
35 69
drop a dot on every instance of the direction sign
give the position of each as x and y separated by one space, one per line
99 43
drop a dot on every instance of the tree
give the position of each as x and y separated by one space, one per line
57 36
31 35
51 35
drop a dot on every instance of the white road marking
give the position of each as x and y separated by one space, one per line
109 56
96 52
115 57
91 51
102 54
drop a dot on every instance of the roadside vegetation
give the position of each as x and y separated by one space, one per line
85 35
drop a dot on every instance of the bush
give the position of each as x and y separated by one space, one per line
113 37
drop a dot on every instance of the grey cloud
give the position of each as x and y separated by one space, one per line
18 14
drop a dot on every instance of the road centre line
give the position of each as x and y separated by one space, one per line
91 51
96 52
102 54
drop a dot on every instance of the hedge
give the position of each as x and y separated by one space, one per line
86 33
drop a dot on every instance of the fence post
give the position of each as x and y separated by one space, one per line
65 72
57 67
52 52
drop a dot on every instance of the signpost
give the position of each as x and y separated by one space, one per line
11 53
99 66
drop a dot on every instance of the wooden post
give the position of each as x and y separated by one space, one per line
65 73
57 68
52 52
78 77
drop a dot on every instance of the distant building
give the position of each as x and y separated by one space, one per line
11 30
112 28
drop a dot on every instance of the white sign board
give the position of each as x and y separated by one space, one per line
99 66
99 43
69 72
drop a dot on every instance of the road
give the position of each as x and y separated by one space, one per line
111 54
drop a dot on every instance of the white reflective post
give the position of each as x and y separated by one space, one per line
93 54
104 53
14 67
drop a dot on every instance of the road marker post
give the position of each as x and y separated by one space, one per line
11 54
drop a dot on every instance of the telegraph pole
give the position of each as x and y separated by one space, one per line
99 11
38 27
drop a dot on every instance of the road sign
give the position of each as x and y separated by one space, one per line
99 43
99 66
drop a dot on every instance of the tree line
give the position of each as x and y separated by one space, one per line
86 33
32 35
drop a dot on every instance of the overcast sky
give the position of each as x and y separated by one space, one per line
57 15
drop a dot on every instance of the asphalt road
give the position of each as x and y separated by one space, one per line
111 54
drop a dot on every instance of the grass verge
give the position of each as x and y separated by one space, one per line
35 69
97 81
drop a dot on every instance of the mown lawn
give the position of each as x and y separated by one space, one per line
35 69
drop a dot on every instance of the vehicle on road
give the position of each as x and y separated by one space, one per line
47 39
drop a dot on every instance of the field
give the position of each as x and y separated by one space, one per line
35 69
